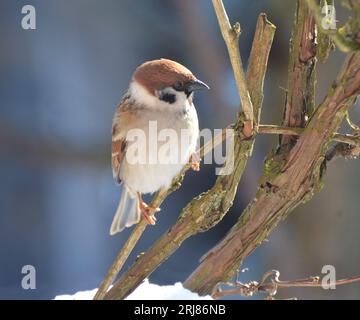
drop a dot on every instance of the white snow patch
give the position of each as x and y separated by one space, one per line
146 291
81 295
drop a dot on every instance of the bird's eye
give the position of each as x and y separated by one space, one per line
178 86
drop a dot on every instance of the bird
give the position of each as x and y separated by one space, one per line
145 155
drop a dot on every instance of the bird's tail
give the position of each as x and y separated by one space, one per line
127 213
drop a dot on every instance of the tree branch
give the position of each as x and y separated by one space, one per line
343 150
300 97
351 124
231 37
257 64
353 140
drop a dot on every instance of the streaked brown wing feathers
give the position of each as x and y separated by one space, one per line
119 137
117 156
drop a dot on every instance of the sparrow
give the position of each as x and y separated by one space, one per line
159 100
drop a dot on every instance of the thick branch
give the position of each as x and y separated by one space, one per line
257 64
285 184
209 208
300 98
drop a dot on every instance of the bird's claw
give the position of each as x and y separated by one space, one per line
148 212
195 161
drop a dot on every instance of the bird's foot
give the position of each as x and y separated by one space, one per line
195 161
148 212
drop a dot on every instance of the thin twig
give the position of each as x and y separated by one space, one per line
231 37
351 124
273 129
347 138
345 149
270 283
353 140
120 260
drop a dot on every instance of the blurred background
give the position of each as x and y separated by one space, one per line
59 86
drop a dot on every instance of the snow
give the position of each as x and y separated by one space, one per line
146 291
81 295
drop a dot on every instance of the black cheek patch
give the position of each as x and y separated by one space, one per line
168 97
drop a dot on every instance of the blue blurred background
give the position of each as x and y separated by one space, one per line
59 86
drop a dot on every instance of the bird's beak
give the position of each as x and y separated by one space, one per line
196 85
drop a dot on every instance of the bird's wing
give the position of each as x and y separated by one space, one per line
121 118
